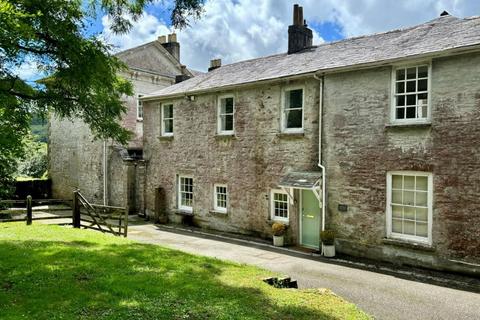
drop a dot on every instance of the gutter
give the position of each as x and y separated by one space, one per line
360 66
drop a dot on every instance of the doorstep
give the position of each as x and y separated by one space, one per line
410 273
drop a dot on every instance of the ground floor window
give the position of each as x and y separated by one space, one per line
221 198
185 193
279 205
409 206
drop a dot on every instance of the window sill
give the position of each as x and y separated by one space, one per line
165 138
139 120
183 212
219 212
408 244
277 220
291 134
225 136
409 125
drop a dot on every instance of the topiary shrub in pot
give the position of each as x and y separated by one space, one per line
328 243
278 230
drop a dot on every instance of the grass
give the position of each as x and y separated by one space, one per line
52 272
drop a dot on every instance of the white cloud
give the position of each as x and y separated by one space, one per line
244 29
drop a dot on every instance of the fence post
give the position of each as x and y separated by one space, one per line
29 210
125 227
75 211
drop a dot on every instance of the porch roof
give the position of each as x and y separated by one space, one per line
301 180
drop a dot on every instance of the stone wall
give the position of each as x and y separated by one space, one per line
360 148
251 163
76 158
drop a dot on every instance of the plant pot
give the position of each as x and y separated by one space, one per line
278 241
328 250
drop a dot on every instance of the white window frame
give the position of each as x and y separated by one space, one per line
393 106
390 234
215 198
272 206
139 106
179 193
283 123
162 119
220 114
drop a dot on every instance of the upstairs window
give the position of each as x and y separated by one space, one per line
411 94
167 119
279 205
221 198
185 193
226 111
292 115
139 108
409 206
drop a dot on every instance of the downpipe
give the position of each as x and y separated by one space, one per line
320 130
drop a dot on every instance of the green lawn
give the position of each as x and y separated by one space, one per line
52 272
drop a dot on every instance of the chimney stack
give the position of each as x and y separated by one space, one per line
299 35
182 77
171 45
214 64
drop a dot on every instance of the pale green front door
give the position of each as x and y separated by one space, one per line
310 220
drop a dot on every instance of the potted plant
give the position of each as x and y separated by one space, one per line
278 230
328 243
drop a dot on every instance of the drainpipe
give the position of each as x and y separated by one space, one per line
105 201
320 129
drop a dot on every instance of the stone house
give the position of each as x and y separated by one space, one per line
375 137
104 171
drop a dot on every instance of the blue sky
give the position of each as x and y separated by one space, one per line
236 30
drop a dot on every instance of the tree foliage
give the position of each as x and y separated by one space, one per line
80 75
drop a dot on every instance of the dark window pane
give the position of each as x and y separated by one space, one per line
400 100
411 73
423 72
401 74
294 119
296 98
168 126
227 122
411 112
400 87
228 105
400 113
411 100
422 85
411 86
168 111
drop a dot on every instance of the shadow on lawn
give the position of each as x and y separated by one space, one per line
83 280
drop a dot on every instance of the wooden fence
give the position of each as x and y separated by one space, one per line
34 209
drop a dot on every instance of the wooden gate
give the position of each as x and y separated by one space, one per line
107 219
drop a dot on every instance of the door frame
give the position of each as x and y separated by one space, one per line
300 223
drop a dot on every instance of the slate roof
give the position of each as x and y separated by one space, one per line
443 33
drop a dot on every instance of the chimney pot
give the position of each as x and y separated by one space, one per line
172 37
162 39
295 14
300 16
